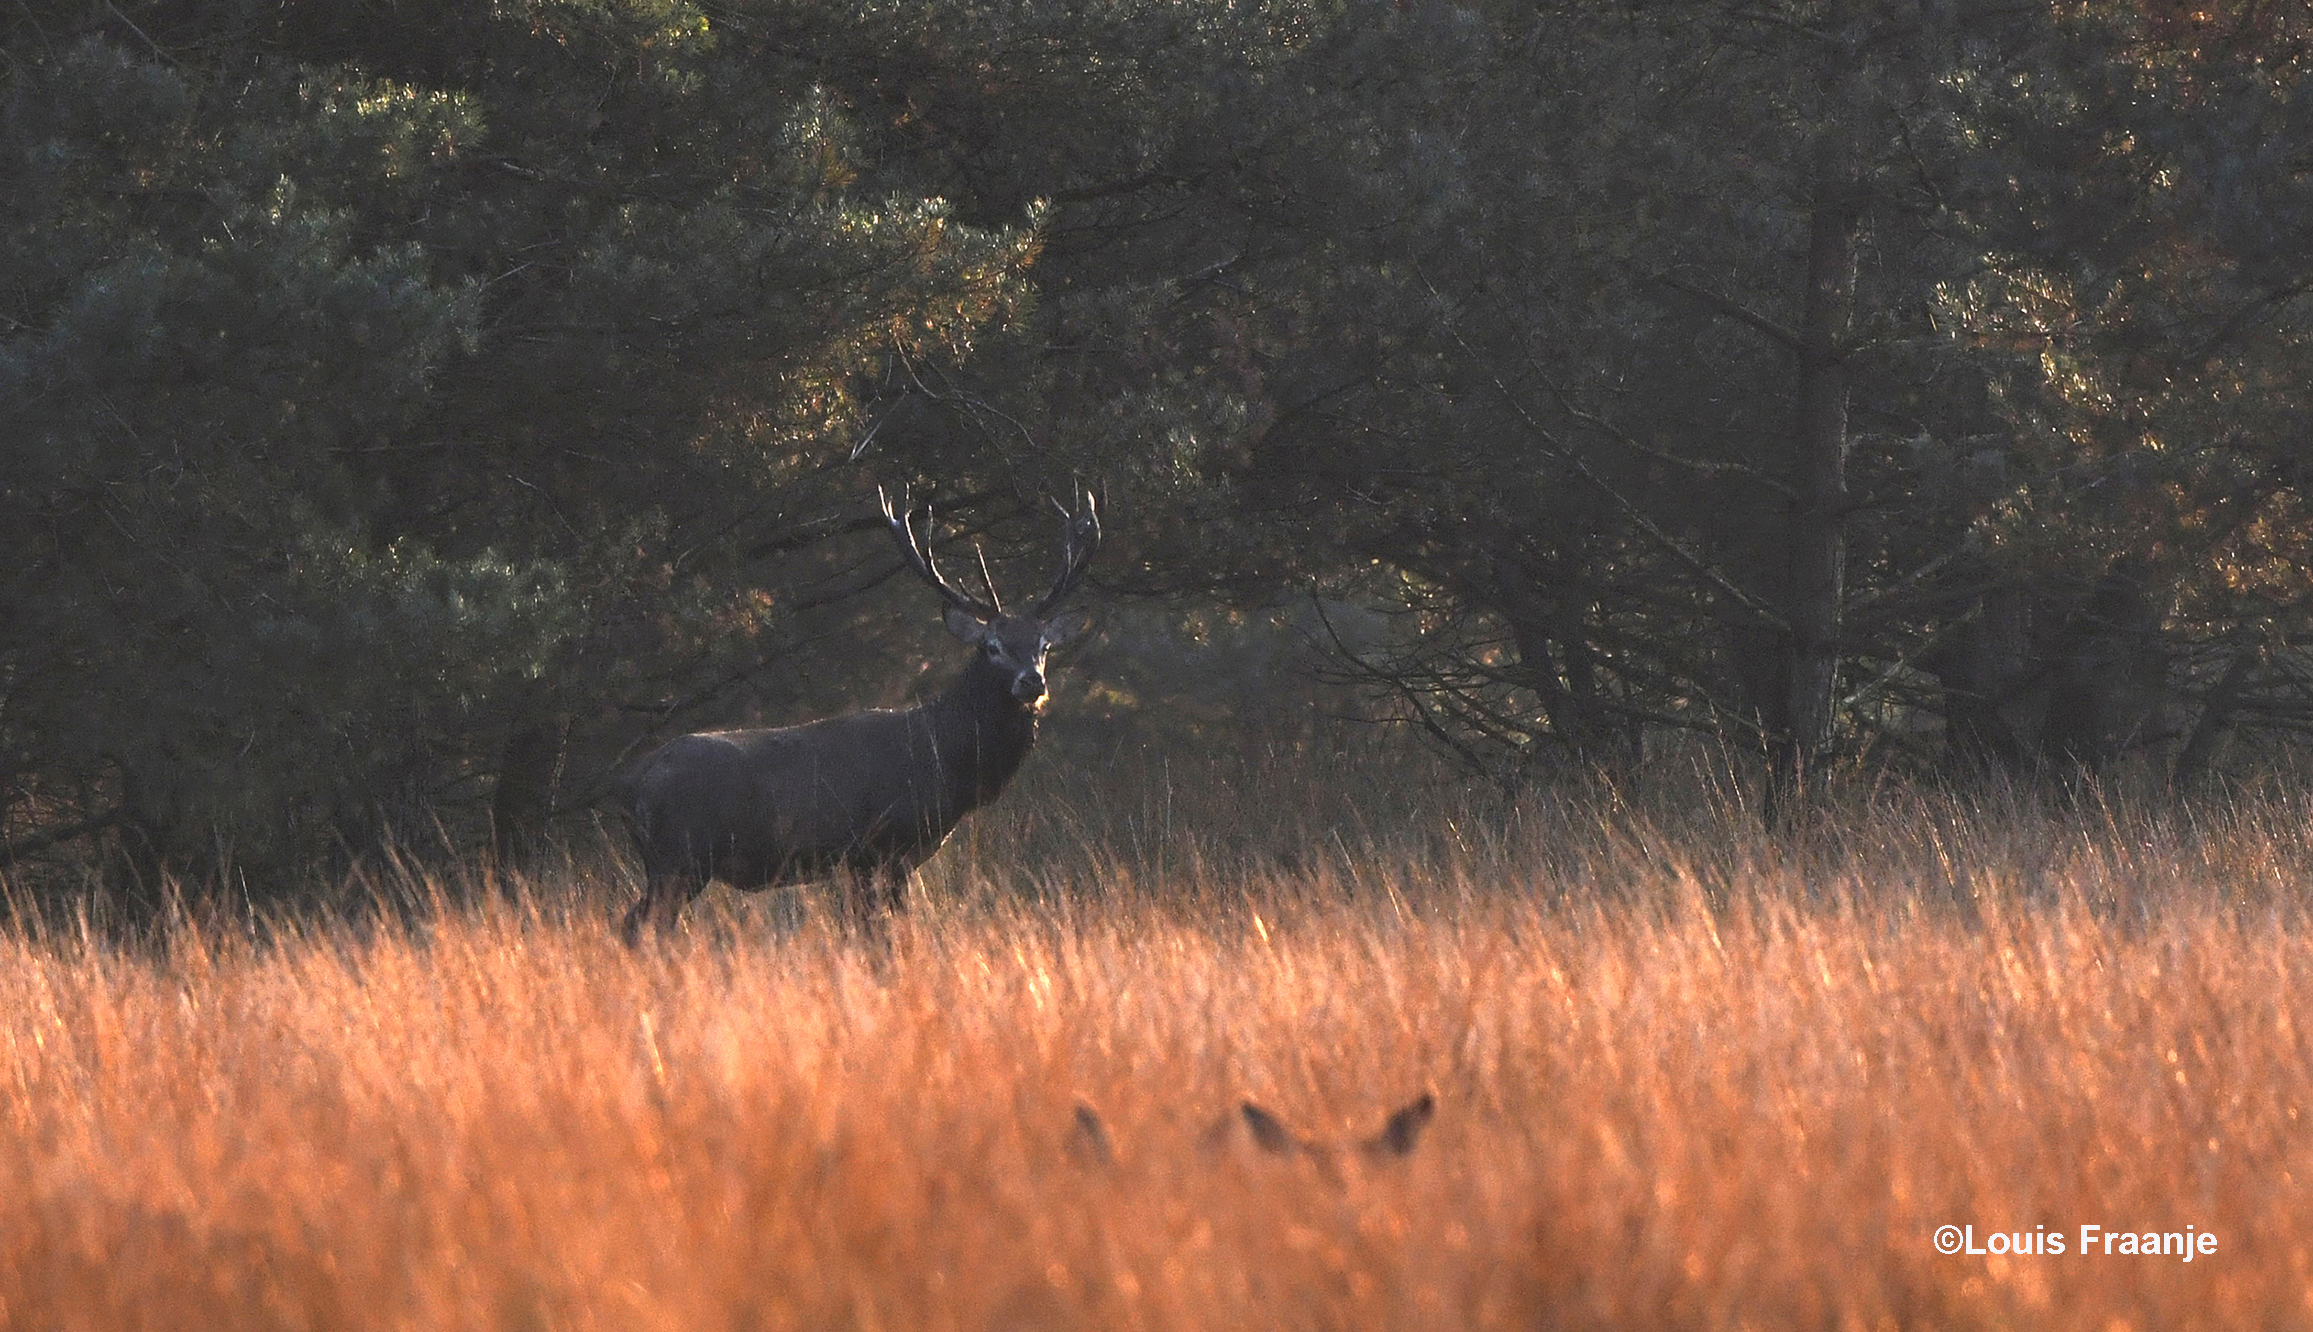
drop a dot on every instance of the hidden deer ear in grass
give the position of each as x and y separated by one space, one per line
1397 1137
1403 1129
1088 1138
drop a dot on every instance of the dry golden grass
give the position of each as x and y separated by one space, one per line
1687 1078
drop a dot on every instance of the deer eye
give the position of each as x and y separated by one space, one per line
994 649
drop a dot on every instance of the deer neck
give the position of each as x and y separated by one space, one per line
983 733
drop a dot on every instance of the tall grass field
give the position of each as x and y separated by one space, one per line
1685 1076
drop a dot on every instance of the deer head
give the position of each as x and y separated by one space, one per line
1010 644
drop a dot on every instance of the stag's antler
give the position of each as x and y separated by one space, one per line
1080 536
918 553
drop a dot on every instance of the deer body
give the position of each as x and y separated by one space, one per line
873 793
870 793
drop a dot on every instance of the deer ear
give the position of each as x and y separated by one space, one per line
1404 1129
1065 628
965 625
1268 1131
1088 1141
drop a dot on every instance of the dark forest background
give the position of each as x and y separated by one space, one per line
409 409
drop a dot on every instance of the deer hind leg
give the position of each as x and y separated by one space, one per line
662 902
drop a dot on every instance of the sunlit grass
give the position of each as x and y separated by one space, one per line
1687 1076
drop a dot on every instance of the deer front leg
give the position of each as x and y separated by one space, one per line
891 887
873 896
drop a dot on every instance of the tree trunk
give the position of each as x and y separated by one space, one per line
1815 574
1986 667
1555 663
2208 734
529 770
2108 673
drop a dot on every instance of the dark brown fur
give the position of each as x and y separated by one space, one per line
872 794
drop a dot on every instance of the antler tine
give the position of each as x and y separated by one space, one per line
918 553
988 580
1081 536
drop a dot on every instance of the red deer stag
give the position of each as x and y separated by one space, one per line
870 793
